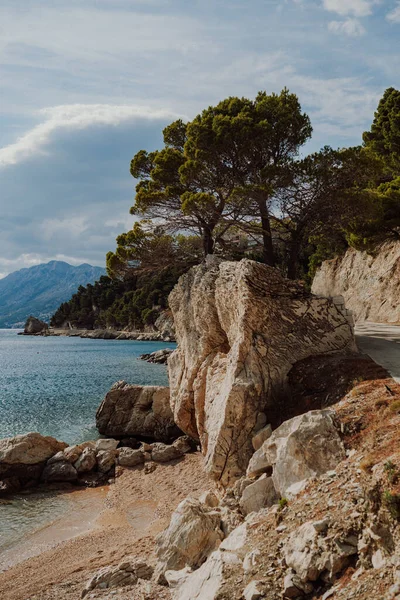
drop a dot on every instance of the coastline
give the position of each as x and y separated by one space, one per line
103 334
131 513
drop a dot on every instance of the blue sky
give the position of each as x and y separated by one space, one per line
85 84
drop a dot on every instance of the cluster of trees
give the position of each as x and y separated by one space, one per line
232 182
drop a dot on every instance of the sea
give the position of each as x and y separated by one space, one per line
54 385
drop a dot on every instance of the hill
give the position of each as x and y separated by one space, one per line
39 290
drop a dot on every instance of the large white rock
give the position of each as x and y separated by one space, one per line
29 449
240 328
258 495
193 533
302 447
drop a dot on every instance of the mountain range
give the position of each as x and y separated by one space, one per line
39 290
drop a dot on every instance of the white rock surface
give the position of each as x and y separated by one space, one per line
258 495
29 449
303 447
240 328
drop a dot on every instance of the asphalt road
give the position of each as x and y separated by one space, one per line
382 343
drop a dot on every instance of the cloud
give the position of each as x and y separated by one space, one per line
74 116
357 8
350 27
394 15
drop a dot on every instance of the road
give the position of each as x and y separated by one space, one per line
382 343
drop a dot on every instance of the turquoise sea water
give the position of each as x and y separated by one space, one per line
54 385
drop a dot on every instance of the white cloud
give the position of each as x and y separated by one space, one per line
350 27
74 116
394 15
357 8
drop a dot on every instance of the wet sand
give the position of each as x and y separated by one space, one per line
104 528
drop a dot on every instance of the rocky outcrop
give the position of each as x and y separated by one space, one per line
240 328
304 447
165 326
133 410
369 283
193 533
34 326
128 572
159 357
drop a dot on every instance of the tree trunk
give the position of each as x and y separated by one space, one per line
208 241
268 249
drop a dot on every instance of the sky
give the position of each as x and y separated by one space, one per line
85 84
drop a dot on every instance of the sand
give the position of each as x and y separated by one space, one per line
127 518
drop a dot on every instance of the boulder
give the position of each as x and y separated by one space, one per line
159 357
252 591
193 533
184 444
126 573
258 495
240 328
106 460
302 447
59 471
134 410
87 461
164 453
130 458
34 326
261 436
106 444
24 457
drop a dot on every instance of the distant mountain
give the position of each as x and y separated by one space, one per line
40 290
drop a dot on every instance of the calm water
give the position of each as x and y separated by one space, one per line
54 385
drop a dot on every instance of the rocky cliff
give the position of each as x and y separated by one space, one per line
240 329
369 283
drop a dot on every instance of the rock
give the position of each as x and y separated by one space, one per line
134 410
24 457
261 436
129 443
184 444
106 460
304 555
126 573
236 540
72 453
165 326
159 357
209 499
367 282
252 591
130 458
9 485
164 453
59 457
193 533
303 447
106 444
258 495
34 326
206 582
149 468
29 449
87 461
240 327
59 471
293 587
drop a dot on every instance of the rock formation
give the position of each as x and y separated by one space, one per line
369 283
34 326
240 328
132 410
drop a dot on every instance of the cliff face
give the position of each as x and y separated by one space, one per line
240 328
370 284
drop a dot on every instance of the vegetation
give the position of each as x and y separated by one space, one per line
231 182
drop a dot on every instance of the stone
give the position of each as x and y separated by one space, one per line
293 587
206 582
184 444
240 327
253 591
29 449
87 461
303 447
149 468
60 456
106 444
106 460
258 495
130 458
34 326
193 533
72 453
303 554
209 498
164 453
134 410
59 471
126 573
261 436
165 325
159 357
236 540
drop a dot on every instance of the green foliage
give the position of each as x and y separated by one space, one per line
392 472
283 502
384 136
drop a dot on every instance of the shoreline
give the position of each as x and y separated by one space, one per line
101 334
